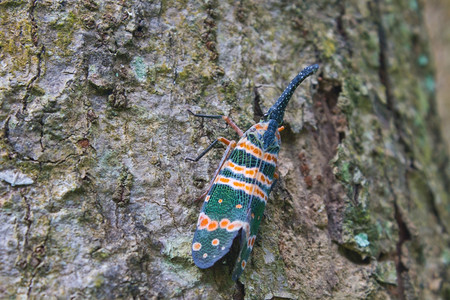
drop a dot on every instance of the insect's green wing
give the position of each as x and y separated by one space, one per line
265 181
224 212
248 237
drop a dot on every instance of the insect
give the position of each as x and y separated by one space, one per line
236 197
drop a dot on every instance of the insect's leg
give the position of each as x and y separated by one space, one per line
204 152
233 125
230 146
225 118
205 116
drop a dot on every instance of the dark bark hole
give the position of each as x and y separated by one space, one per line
199 183
239 293
354 256
331 128
140 29
334 94
341 136
257 110
330 89
356 190
404 235
383 257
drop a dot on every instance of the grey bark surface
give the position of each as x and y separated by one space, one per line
97 201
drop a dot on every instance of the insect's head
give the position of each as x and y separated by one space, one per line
276 112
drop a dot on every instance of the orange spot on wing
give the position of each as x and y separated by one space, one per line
220 201
247 230
230 227
243 264
212 226
196 246
215 242
260 193
204 222
250 148
238 168
250 172
224 223
253 241
257 152
270 158
238 184
224 180
238 206
236 225
264 179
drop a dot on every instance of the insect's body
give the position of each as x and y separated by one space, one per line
239 193
238 197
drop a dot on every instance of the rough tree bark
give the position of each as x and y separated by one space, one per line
96 200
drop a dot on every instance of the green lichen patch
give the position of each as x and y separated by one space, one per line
65 28
445 256
430 83
16 39
13 3
329 46
140 68
362 240
386 272
423 60
101 254
358 231
178 249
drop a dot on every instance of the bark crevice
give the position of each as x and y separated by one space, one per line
39 54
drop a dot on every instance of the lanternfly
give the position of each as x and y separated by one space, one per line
238 193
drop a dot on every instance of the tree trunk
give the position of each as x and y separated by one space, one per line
97 200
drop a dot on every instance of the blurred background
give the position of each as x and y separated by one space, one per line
437 16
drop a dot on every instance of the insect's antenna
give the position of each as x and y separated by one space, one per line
205 116
276 112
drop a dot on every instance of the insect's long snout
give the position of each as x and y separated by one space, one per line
276 112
